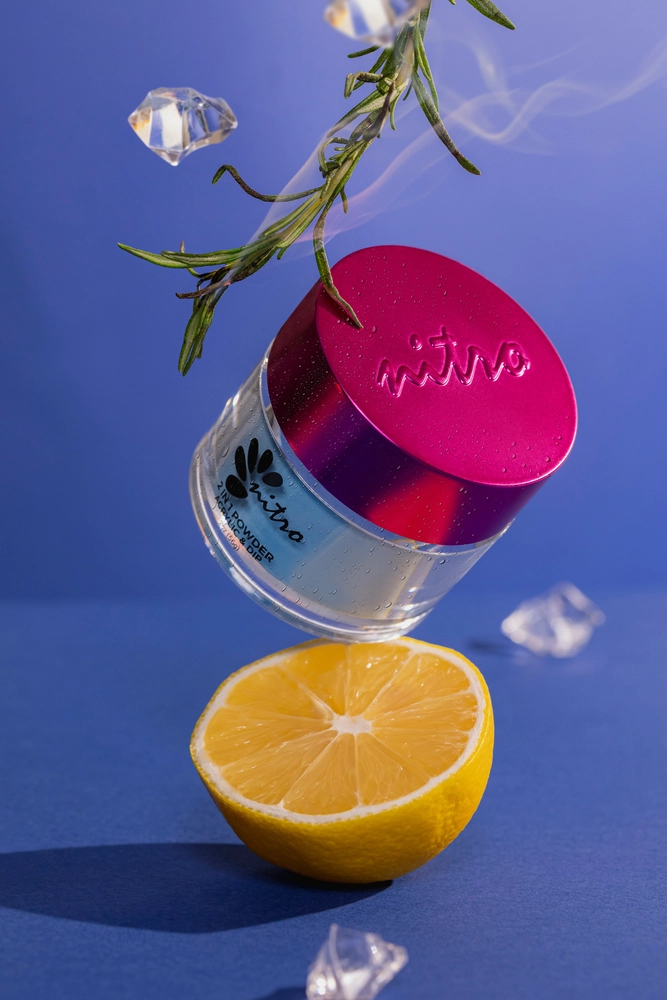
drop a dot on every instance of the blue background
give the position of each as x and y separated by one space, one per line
118 878
97 425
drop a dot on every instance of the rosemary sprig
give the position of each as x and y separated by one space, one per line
397 70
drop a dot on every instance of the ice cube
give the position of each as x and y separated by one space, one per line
353 965
558 623
376 22
174 121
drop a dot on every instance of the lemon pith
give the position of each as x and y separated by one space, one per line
352 763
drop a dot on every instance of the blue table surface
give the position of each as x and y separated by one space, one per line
119 879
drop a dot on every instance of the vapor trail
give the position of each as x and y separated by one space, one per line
500 114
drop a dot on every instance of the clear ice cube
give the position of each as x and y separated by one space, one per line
353 965
376 22
558 623
174 121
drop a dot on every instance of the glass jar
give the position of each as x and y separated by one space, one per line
294 548
283 493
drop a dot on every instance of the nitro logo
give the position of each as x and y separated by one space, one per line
236 484
261 465
510 358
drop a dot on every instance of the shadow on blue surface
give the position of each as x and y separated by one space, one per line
494 647
290 993
184 888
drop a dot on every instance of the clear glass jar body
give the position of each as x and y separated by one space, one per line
294 548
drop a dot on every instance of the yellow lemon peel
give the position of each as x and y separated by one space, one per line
348 763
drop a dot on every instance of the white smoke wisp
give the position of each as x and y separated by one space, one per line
562 97
502 113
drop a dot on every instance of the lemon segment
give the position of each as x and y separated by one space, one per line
353 763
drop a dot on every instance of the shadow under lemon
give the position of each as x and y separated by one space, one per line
185 888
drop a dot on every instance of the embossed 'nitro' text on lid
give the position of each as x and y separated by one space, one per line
442 415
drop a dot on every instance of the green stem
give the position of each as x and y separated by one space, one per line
325 270
229 169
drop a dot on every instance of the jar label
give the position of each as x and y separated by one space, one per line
285 537
251 466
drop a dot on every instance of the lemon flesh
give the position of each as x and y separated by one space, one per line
348 763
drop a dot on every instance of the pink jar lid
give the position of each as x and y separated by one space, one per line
441 416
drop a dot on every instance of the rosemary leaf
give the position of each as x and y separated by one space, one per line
213 259
152 258
438 126
490 10
363 52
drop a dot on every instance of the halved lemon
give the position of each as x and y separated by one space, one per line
348 763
